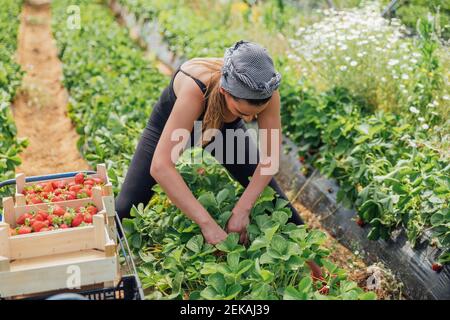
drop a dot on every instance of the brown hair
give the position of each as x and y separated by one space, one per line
216 105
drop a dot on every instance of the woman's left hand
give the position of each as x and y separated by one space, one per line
238 222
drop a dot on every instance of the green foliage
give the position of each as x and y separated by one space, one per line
10 79
409 12
392 178
112 86
176 263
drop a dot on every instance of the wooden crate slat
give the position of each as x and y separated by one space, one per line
53 272
52 242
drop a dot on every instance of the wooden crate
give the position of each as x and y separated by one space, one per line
54 260
21 184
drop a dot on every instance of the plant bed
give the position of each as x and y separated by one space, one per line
413 266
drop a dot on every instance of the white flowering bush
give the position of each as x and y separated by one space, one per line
359 50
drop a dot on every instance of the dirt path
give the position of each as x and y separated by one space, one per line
40 108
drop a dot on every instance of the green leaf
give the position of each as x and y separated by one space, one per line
208 200
233 260
222 195
136 241
230 243
128 226
217 282
290 293
280 217
305 284
195 244
368 296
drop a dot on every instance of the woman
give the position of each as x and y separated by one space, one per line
220 92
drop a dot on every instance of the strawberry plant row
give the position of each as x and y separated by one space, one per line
10 79
176 263
111 84
76 50
393 181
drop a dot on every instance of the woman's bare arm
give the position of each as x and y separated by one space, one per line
268 120
187 109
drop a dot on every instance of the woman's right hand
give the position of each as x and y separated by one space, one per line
213 233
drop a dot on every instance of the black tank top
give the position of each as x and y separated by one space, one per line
200 84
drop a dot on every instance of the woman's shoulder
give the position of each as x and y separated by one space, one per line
200 69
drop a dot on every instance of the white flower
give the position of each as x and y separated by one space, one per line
425 126
446 97
347 59
353 63
393 62
383 79
343 68
405 76
414 110
421 119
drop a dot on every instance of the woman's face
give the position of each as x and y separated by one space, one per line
241 108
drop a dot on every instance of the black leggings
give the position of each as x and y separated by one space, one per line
137 187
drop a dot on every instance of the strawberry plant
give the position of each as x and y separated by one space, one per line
176 263
10 79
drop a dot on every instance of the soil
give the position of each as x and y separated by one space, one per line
40 107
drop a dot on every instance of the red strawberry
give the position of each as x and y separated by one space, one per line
38 217
79 178
59 211
97 180
92 209
21 220
50 218
64 226
77 220
87 218
437 267
35 200
44 229
57 199
324 290
43 213
71 195
360 222
76 188
301 159
48 187
38 225
24 230
89 182
71 184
